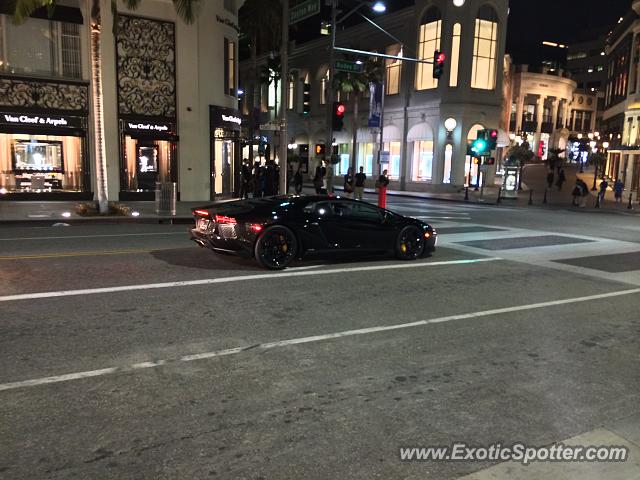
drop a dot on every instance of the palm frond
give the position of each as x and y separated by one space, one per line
24 8
186 9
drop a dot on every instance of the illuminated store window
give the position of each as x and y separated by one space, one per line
365 158
393 167
422 161
428 42
394 68
484 50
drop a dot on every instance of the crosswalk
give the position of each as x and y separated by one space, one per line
590 255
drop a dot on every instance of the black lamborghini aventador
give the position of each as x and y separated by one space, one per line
278 230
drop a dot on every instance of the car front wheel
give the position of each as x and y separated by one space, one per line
410 243
276 248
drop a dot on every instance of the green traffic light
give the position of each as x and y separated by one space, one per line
479 146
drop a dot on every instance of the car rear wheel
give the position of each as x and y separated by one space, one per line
276 248
410 243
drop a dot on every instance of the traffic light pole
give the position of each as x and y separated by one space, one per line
284 97
331 93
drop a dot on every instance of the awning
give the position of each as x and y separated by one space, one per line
420 131
503 138
391 133
59 13
364 135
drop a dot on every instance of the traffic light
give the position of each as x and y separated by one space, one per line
320 150
480 145
438 63
492 139
306 98
338 116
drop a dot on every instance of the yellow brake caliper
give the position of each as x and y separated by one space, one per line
403 247
284 247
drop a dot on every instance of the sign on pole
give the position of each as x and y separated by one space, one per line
303 11
346 66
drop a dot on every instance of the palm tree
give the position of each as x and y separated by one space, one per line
186 9
357 84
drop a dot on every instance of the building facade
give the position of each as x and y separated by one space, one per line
170 110
416 148
621 118
549 111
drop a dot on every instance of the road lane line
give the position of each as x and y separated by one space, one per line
240 278
37 256
312 339
94 236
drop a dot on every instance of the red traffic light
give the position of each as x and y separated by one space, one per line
340 109
441 58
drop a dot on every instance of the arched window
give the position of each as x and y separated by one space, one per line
455 55
428 42
485 47
324 84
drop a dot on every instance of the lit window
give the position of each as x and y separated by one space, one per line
291 100
422 161
365 158
393 166
229 67
394 68
455 55
428 43
484 50
324 83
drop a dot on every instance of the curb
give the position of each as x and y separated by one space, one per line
100 221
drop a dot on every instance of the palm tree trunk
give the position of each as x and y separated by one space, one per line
98 113
254 95
354 141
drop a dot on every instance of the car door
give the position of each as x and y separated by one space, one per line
356 226
317 216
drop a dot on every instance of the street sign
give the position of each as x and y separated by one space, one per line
303 11
346 66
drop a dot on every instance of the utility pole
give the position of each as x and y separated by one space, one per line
284 96
331 94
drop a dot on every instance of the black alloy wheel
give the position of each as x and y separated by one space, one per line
276 248
410 243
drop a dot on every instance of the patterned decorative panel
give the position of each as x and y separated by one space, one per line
47 95
146 67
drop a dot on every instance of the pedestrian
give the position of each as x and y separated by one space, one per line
360 182
618 188
329 178
270 179
381 186
245 179
297 180
584 189
348 182
289 176
550 177
318 178
576 193
604 185
561 179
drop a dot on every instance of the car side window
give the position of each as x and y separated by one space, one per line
366 213
341 209
322 209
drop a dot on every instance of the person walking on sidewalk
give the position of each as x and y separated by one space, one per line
584 192
297 180
348 182
618 188
381 186
561 179
603 190
329 178
550 177
361 179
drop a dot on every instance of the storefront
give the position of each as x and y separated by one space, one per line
225 124
43 156
148 154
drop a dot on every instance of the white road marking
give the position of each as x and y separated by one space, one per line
316 338
241 278
95 236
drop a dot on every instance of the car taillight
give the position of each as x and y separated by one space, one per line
201 213
255 227
225 219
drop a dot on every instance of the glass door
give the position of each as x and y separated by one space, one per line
222 165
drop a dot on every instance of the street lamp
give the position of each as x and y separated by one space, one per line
458 3
379 7
590 135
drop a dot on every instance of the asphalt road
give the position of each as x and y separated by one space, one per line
128 352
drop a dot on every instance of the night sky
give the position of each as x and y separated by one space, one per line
562 21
